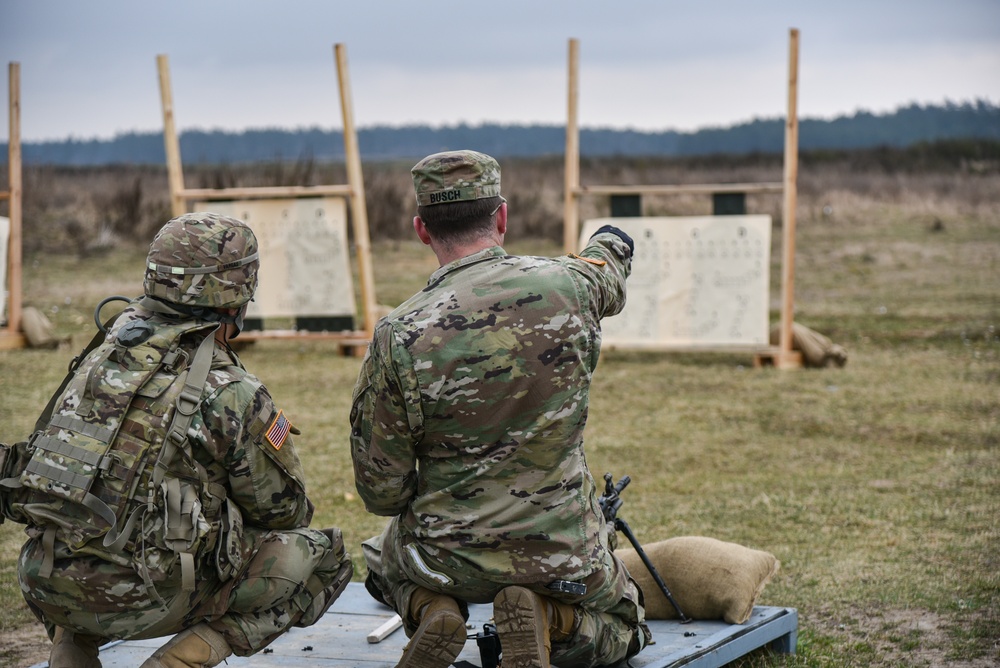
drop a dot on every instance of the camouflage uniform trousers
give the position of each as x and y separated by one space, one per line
609 623
291 579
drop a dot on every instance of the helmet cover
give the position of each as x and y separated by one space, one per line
203 259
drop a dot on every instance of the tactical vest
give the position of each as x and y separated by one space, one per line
114 453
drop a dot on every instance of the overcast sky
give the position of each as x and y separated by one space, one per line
88 67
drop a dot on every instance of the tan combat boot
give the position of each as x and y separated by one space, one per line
197 647
526 623
441 635
74 650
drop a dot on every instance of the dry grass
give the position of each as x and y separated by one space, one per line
876 485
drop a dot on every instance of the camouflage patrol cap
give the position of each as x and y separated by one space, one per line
455 176
203 259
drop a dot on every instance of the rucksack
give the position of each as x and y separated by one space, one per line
114 446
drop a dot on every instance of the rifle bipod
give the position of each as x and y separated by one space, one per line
610 503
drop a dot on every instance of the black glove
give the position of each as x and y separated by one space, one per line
620 234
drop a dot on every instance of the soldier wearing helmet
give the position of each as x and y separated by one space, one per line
467 430
204 265
205 532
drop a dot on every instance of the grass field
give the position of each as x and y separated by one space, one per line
876 485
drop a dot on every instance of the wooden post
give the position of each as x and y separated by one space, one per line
355 178
571 186
11 337
175 173
787 359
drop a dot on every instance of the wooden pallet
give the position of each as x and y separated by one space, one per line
339 640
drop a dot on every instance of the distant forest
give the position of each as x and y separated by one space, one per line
905 127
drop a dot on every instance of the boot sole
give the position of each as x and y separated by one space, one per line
520 618
437 643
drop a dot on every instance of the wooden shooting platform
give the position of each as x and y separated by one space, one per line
339 640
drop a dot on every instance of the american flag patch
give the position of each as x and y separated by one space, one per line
278 431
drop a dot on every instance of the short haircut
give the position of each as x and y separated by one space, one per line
460 222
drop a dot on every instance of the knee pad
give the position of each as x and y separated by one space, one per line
328 580
292 565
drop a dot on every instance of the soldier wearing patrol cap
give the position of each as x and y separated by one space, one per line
467 430
194 521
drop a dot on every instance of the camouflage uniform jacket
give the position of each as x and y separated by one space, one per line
469 412
266 482
228 441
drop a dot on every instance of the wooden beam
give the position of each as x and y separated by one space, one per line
264 192
355 178
175 172
571 187
352 338
787 359
761 350
681 189
14 243
11 341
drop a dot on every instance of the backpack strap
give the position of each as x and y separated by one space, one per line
180 500
188 402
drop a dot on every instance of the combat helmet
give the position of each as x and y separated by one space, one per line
203 260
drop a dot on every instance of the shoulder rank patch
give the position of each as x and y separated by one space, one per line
278 431
599 263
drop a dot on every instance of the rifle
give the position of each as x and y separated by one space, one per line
610 503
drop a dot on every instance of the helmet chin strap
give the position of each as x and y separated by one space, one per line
238 321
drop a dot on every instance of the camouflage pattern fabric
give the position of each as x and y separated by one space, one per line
455 176
291 579
203 259
107 421
606 617
259 570
468 420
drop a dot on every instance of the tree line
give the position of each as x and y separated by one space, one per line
905 127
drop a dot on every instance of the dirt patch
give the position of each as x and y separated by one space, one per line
910 637
25 646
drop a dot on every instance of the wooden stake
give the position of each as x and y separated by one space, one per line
359 211
175 172
11 336
571 186
786 358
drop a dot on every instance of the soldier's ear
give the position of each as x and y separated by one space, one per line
421 230
502 219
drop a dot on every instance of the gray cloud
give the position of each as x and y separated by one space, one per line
88 68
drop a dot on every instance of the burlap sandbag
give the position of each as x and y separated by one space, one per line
37 329
709 578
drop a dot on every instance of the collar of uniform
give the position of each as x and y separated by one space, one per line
486 254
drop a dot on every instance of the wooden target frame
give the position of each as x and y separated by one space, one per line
10 334
781 356
353 191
